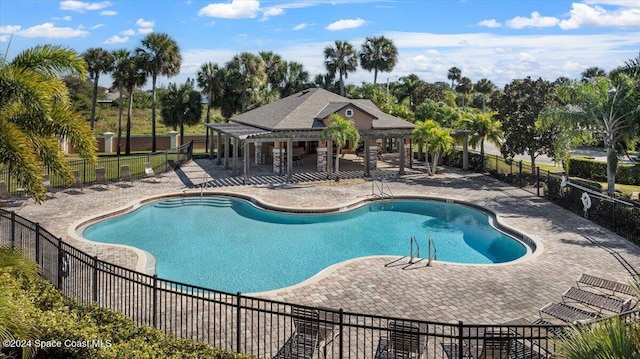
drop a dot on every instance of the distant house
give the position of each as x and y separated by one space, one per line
292 127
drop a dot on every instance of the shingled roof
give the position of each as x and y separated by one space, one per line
301 111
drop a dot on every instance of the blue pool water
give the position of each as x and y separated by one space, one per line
231 245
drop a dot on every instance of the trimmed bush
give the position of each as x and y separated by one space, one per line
56 318
597 171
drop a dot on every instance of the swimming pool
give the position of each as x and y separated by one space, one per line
232 245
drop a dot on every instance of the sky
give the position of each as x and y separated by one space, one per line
500 40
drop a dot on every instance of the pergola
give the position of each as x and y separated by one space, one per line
243 135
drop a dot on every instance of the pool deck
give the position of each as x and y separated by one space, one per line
570 245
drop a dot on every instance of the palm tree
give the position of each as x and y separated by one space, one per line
35 111
486 88
341 131
408 88
592 72
465 87
120 58
295 79
206 78
438 141
180 106
340 59
378 54
246 74
133 75
226 96
454 74
275 67
162 57
486 128
98 61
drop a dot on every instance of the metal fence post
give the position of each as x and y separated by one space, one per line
520 168
341 335
38 244
94 294
59 264
13 230
549 184
238 317
155 301
613 214
538 181
460 339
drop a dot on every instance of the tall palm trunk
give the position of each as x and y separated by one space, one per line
482 152
338 150
153 112
94 99
341 85
612 166
127 149
209 102
120 107
434 161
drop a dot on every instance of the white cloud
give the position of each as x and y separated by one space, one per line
80 6
272 11
143 23
571 66
433 52
622 3
9 29
115 39
345 24
536 20
145 30
67 18
236 9
584 15
48 30
300 26
4 38
109 13
96 26
526 57
129 32
490 23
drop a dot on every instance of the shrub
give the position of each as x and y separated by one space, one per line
597 171
57 318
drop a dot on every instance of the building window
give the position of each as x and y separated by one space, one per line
348 112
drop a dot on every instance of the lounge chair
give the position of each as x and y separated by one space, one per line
497 344
403 341
609 286
304 340
567 313
4 193
46 183
125 174
101 177
148 171
599 301
77 182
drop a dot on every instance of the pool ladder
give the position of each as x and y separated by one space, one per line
433 255
378 190
204 184
413 254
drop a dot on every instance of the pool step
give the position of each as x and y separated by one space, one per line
204 201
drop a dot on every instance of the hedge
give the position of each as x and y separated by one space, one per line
597 171
56 318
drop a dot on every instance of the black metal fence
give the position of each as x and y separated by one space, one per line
260 327
621 216
160 161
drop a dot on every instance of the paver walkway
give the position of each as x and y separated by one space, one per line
571 245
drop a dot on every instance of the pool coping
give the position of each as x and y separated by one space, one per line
146 262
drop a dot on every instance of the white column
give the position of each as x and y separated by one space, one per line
174 139
108 142
276 160
373 157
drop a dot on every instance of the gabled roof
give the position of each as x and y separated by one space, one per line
301 111
333 107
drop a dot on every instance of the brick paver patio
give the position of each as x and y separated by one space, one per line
570 245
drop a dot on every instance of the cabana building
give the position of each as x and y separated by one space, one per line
284 132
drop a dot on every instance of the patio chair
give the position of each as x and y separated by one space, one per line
313 328
599 301
125 174
149 173
46 183
609 286
567 313
101 177
77 182
4 193
403 341
497 344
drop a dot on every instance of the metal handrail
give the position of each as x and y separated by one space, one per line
413 254
204 184
433 255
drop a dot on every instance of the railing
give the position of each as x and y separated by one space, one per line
381 193
413 254
622 216
434 255
160 161
247 324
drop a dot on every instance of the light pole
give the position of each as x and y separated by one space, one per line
392 77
